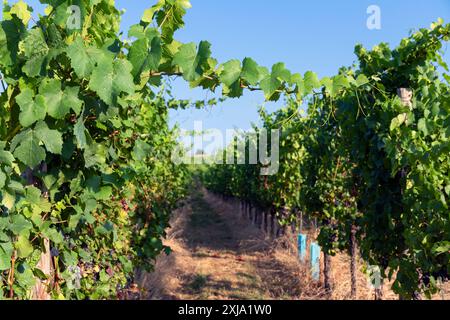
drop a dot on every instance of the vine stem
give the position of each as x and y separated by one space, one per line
11 275
14 132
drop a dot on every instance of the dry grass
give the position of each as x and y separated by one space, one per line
164 282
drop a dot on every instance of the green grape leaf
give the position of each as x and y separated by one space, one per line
79 131
10 35
53 235
95 155
20 225
311 81
422 125
55 38
170 18
35 50
60 102
150 12
83 58
24 276
192 62
23 246
441 247
141 150
398 121
327 83
5 260
29 152
6 157
233 91
447 190
16 186
231 72
339 82
52 139
274 81
9 199
33 195
104 193
361 80
145 54
110 78
22 11
137 31
40 274
251 72
31 110
297 79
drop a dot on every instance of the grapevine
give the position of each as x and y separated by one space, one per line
87 184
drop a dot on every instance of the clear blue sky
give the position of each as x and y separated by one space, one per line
306 35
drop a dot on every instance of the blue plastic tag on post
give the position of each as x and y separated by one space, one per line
302 247
315 261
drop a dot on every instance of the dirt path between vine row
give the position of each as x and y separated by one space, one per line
218 255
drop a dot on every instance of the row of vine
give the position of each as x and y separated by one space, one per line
369 160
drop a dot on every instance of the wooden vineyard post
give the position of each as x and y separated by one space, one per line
253 217
379 292
252 214
260 219
405 94
249 211
353 262
301 221
327 273
245 209
281 229
257 214
302 241
272 223
376 281
284 214
266 224
327 265
279 232
41 288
